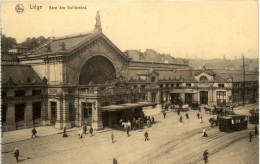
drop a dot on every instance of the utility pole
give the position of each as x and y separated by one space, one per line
243 80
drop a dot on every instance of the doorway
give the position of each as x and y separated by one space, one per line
188 98
53 112
204 97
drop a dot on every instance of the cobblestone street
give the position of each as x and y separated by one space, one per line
165 137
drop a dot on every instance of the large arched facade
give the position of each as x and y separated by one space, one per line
98 70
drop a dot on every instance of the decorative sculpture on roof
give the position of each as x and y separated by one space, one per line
63 46
48 47
98 23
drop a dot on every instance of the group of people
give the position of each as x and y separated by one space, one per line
84 131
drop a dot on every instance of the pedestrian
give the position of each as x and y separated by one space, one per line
34 132
85 129
16 154
199 109
204 134
187 116
205 156
211 123
114 161
181 118
148 123
250 136
201 121
256 131
127 131
146 136
164 114
80 133
91 131
112 137
152 120
64 132
198 115
179 110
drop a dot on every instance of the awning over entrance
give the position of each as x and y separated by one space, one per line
183 91
127 106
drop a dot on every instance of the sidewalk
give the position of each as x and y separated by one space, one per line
25 134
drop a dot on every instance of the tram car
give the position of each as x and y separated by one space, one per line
254 116
231 123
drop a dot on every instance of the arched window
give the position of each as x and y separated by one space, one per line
203 78
153 79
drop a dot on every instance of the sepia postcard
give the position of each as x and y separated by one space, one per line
130 82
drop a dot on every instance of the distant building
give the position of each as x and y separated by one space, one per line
18 50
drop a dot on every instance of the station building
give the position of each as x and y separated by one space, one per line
85 79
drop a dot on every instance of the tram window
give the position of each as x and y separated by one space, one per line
232 121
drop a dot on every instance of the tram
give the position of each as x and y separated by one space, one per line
231 123
254 116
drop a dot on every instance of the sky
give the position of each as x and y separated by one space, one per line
192 29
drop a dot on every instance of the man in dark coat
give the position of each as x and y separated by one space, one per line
205 156
179 110
164 114
181 118
250 137
198 115
256 131
187 116
146 136
152 120
16 154
91 131
85 129
114 161
64 132
34 132
127 131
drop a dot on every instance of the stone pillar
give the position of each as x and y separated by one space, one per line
158 99
45 112
58 123
28 115
49 111
10 117
97 116
66 113
77 112
149 96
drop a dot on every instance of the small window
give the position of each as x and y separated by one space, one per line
87 109
161 86
177 85
188 84
220 85
19 112
143 86
36 92
167 85
203 78
153 79
172 85
19 93
135 86
3 93
105 103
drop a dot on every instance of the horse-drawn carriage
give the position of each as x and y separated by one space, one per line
254 116
230 123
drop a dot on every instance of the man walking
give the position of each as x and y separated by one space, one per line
181 118
164 114
64 132
34 132
91 131
198 115
146 136
250 136
127 131
112 137
187 116
205 156
256 131
85 129
16 154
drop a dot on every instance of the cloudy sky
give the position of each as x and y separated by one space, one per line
202 29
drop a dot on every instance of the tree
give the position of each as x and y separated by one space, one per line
31 43
7 43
